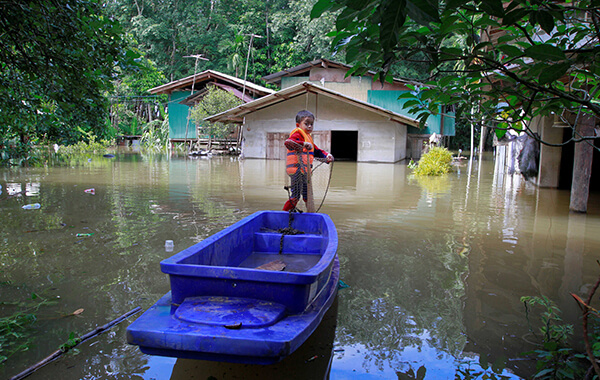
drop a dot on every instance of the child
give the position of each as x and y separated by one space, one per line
300 153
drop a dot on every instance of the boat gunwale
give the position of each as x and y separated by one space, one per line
173 266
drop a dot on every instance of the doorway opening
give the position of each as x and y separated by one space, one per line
344 145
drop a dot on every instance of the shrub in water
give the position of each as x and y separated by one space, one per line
435 162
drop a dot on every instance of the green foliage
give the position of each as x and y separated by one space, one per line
156 135
540 61
552 328
15 334
56 63
215 101
555 360
435 162
167 32
131 106
70 343
92 146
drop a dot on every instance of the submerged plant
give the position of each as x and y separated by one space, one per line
435 162
555 359
15 332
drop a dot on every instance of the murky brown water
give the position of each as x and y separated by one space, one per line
436 266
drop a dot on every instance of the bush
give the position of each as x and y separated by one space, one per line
92 146
435 162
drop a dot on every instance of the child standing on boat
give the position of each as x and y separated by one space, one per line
301 150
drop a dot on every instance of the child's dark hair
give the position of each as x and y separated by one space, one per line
304 114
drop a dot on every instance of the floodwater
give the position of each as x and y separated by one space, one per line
435 267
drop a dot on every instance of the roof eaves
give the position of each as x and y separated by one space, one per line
298 89
204 76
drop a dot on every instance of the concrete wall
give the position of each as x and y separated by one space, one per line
550 156
357 88
379 139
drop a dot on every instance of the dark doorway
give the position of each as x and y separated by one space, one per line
567 161
344 145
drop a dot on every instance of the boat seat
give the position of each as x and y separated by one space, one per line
230 312
269 242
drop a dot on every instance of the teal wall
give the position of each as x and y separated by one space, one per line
178 114
389 100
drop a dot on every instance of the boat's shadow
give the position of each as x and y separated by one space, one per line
311 361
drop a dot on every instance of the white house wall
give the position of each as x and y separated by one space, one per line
379 139
358 88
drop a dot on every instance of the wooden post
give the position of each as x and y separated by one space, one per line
582 165
310 199
310 202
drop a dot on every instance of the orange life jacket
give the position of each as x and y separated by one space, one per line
292 164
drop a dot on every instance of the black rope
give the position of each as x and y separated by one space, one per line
289 230
327 188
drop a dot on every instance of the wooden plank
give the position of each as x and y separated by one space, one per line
275 265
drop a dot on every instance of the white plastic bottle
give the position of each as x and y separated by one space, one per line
33 206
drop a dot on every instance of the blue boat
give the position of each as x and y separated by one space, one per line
251 293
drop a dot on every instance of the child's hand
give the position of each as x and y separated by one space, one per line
329 158
307 145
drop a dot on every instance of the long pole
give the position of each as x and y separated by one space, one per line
81 339
310 199
241 128
247 60
187 124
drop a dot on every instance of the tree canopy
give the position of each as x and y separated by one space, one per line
168 31
514 59
61 62
57 59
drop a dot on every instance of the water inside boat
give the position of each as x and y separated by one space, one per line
296 263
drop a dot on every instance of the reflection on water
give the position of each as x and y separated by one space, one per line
436 267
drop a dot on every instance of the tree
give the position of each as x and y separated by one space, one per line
234 51
514 59
57 59
213 102
298 38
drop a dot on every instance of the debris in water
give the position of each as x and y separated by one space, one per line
276 265
342 285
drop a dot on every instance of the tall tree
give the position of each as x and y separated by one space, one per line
298 38
57 59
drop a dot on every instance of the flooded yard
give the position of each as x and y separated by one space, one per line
435 266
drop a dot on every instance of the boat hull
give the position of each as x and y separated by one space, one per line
223 304
159 332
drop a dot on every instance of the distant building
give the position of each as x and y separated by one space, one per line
185 93
356 118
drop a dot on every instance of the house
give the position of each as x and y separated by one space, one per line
561 161
357 118
185 93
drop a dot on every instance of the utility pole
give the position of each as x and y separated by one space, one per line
241 130
252 36
187 124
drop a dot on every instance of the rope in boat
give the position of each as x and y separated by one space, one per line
328 182
289 230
